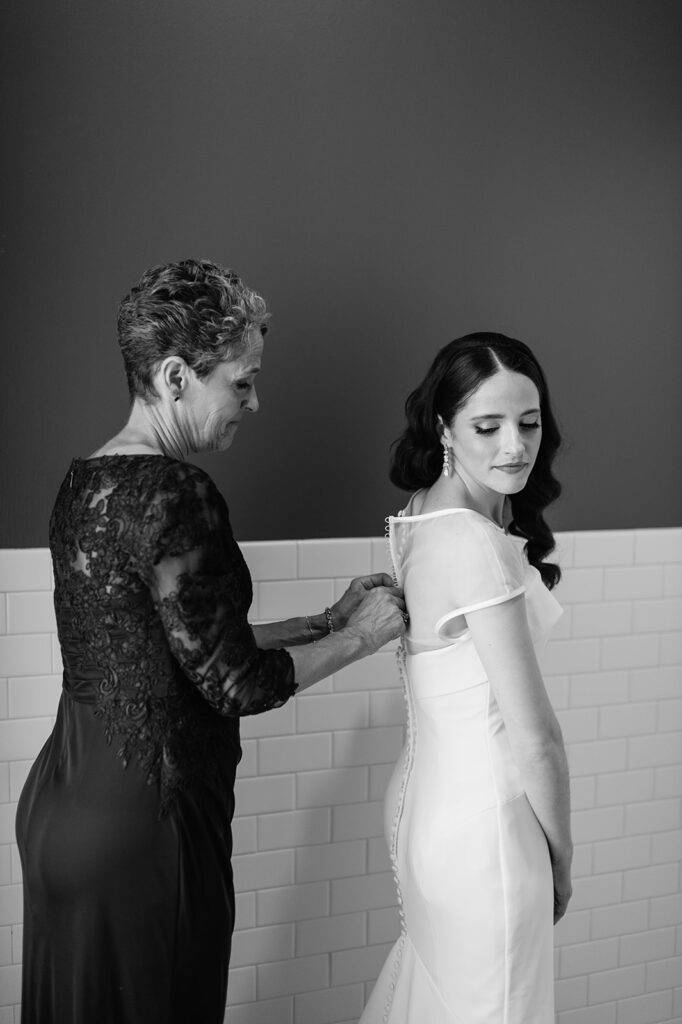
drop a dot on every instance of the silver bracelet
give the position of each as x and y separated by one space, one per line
310 628
330 620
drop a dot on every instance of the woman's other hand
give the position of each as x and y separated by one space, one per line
380 615
355 594
563 889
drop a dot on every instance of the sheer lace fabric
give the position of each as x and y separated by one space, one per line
151 591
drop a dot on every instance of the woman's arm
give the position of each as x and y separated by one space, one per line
377 619
184 552
290 632
306 629
217 650
219 654
503 643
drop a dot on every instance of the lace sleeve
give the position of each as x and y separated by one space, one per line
201 588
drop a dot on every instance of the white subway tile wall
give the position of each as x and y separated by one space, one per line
316 905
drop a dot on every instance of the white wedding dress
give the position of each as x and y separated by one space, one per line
470 860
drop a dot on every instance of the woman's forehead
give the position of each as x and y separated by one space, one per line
504 390
249 359
254 345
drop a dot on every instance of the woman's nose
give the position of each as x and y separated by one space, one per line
252 403
513 442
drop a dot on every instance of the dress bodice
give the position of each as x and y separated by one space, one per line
151 599
455 561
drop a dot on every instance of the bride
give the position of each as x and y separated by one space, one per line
477 810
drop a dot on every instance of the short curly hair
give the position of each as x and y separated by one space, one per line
195 309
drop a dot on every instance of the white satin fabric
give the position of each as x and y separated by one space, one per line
470 860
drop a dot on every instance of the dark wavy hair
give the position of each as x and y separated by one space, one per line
456 372
194 309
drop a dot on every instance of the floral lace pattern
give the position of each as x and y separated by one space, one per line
151 596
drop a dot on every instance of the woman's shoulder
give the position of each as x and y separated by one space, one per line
465 545
462 523
446 515
152 472
156 486
180 507
174 471
183 484
469 531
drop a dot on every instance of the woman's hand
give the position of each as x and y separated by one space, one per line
377 616
354 595
380 615
563 889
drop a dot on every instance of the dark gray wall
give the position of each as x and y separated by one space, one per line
390 174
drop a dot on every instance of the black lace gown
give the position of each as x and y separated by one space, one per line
124 824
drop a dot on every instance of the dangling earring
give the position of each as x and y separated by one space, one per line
446 460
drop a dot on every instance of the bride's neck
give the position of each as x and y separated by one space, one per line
456 492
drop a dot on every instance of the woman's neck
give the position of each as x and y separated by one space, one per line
147 432
455 492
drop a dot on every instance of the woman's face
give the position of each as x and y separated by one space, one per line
495 436
220 400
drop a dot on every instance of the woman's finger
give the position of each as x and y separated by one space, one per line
375 579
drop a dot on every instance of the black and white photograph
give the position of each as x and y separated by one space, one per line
341 512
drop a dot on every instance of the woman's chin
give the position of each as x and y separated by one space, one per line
512 484
225 438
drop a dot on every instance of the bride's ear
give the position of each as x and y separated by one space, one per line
443 432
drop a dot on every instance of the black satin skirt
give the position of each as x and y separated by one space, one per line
128 916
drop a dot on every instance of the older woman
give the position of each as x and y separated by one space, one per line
124 821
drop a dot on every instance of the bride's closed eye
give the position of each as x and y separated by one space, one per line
492 430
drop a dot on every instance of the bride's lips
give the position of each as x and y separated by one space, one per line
513 467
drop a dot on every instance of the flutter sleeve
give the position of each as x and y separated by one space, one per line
201 588
478 566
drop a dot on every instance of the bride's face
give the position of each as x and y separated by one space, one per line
495 436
